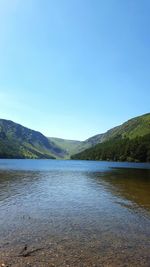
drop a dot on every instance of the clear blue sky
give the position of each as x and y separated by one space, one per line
74 68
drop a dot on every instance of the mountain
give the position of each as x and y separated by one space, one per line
138 126
129 141
68 146
117 149
17 141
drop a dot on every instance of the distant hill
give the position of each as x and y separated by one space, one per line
17 141
129 141
69 146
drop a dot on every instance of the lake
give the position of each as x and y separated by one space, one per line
74 213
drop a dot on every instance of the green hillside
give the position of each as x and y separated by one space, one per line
138 126
69 146
17 141
127 142
117 149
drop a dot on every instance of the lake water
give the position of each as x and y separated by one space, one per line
74 213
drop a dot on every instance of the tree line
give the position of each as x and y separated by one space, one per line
119 149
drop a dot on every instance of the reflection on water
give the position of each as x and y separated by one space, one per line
128 184
74 213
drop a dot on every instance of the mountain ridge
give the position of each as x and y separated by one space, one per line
17 141
102 137
22 142
131 138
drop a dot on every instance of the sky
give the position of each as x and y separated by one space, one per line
74 68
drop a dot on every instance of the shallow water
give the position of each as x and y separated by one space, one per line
74 213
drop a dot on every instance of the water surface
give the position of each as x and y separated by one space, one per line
74 213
